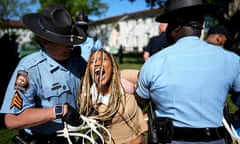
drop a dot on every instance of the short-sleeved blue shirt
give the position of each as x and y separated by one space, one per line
189 82
39 81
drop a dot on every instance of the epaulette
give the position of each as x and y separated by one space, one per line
32 60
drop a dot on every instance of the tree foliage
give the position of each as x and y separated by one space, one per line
92 7
14 8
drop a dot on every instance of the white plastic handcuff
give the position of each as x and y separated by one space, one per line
231 130
88 131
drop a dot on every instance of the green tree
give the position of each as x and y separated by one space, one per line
15 9
92 7
12 10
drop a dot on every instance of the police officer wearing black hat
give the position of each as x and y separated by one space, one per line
88 45
188 82
42 92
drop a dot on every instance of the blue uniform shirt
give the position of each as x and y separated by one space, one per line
189 82
87 47
98 44
45 83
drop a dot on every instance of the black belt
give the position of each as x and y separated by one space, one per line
198 134
25 138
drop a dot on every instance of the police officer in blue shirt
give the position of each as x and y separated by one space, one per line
188 82
42 92
88 45
97 42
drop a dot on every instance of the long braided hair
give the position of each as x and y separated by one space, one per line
86 95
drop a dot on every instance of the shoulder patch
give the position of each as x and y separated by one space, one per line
21 83
17 101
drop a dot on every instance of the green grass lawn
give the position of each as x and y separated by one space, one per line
6 135
130 61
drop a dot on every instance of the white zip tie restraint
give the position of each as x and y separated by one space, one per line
231 130
88 131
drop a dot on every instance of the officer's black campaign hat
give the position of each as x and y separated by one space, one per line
55 24
185 8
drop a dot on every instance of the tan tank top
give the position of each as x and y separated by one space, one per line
126 126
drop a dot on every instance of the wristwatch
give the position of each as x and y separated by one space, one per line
58 110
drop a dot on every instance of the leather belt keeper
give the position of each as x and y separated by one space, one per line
198 134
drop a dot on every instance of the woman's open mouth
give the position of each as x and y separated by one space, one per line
99 74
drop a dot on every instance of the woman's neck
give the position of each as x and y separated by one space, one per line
104 91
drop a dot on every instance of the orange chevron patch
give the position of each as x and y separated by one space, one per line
17 101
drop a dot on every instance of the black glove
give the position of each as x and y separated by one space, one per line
72 117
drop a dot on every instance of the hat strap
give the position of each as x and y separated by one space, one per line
81 23
71 37
194 26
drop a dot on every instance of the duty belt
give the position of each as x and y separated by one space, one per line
25 138
198 134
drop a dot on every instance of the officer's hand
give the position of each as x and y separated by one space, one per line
72 117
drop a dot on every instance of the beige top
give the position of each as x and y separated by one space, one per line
130 75
128 125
